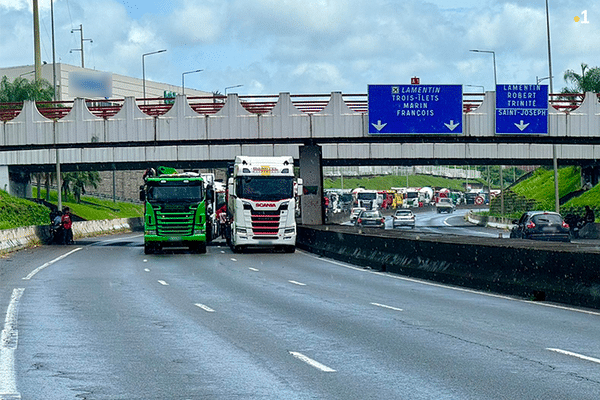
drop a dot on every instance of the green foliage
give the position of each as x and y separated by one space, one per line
540 187
587 81
22 89
75 182
91 208
577 205
15 212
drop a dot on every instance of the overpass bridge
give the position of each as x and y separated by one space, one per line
318 130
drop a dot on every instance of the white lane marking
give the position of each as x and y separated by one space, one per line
146 269
446 221
49 263
580 356
8 344
253 269
403 278
311 362
389 307
118 239
297 283
204 307
234 260
163 283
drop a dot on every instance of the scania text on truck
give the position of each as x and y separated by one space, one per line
174 210
262 196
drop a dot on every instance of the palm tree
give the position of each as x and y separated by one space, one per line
76 182
587 81
21 89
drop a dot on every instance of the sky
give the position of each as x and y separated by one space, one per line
311 46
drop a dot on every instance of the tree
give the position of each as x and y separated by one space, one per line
76 182
22 89
587 81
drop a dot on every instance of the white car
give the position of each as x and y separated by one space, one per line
403 218
355 212
445 204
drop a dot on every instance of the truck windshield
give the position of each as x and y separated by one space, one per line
265 188
367 196
175 192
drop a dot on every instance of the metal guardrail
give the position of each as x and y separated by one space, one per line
257 104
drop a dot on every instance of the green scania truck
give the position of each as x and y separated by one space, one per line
175 210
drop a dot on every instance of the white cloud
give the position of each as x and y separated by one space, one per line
313 46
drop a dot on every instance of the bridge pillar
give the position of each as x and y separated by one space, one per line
15 182
590 174
311 172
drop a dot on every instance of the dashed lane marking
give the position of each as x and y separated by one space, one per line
311 362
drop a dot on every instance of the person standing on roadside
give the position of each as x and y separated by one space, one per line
66 224
589 217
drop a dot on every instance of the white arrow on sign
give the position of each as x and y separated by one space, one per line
521 125
379 126
452 126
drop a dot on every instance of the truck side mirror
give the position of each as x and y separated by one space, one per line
142 194
299 187
230 186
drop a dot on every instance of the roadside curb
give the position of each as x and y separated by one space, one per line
19 238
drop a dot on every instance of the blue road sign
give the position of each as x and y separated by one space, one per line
415 109
522 109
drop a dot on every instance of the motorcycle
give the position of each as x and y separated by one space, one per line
575 223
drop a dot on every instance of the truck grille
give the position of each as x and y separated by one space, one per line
175 223
265 223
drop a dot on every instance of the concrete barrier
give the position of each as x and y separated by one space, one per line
537 270
14 239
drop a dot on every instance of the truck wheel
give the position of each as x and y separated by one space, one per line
238 249
148 248
290 249
202 248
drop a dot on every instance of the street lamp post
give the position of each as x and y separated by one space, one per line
231 87
493 53
144 70
554 155
183 81
538 80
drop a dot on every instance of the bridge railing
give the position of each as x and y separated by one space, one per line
255 104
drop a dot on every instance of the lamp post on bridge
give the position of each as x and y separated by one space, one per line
231 87
493 53
183 81
144 70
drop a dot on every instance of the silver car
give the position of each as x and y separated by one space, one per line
404 217
370 218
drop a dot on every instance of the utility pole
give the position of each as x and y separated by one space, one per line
82 40
36 42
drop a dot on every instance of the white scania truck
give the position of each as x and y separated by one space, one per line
262 197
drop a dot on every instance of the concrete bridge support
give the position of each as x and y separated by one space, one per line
590 174
15 182
311 172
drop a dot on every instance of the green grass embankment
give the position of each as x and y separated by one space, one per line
16 212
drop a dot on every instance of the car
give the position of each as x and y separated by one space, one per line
444 204
370 218
541 225
354 213
403 218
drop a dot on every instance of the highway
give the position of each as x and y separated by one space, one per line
101 320
429 221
